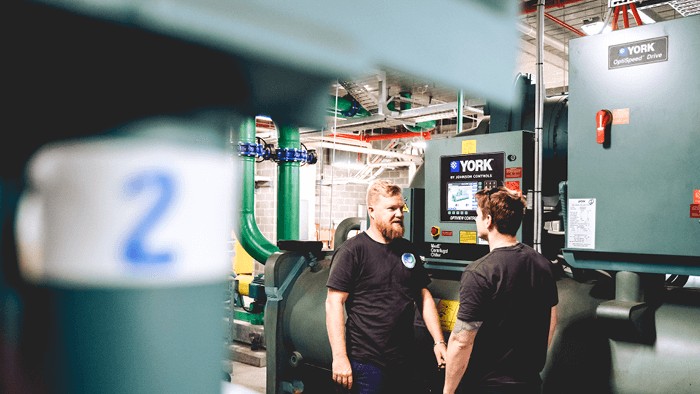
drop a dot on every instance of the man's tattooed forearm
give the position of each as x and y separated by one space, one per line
461 326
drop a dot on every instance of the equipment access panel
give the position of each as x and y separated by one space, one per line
634 187
456 169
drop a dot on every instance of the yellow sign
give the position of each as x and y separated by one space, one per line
405 208
467 237
447 311
468 146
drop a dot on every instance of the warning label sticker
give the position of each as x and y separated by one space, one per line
513 185
467 237
514 172
468 147
696 196
447 312
621 116
695 211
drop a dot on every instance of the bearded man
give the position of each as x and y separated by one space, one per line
378 278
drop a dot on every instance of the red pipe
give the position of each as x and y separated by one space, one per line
349 136
563 24
367 138
425 135
636 14
625 17
531 6
616 17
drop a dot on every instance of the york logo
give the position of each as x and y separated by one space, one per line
637 49
472 165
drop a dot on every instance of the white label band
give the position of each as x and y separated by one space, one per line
126 213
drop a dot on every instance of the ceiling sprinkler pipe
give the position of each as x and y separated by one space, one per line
425 135
247 230
564 24
531 6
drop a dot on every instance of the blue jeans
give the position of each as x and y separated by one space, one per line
371 379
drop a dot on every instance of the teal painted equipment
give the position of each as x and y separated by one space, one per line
643 182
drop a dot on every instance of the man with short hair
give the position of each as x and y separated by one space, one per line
378 278
507 310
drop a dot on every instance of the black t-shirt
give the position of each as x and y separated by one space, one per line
511 290
383 282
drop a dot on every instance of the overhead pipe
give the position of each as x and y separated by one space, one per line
532 6
348 108
381 137
552 42
419 127
288 187
247 230
539 117
564 24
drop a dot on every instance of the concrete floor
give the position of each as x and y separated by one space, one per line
246 379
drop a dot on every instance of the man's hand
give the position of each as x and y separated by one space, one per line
342 372
440 354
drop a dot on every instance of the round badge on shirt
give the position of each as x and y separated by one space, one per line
408 260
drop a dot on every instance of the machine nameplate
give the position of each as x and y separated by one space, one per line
638 52
453 251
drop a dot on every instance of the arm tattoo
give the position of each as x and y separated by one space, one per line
461 325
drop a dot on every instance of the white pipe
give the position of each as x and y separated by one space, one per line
356 149
552 42
539 115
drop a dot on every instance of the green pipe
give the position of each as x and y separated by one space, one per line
345 105
247 232
419 127
288 188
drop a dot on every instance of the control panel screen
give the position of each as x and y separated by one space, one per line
461 177
460 196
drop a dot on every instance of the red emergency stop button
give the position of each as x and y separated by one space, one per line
435 231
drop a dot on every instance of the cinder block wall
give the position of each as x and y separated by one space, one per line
336 203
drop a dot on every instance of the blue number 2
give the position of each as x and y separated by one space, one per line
134 250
